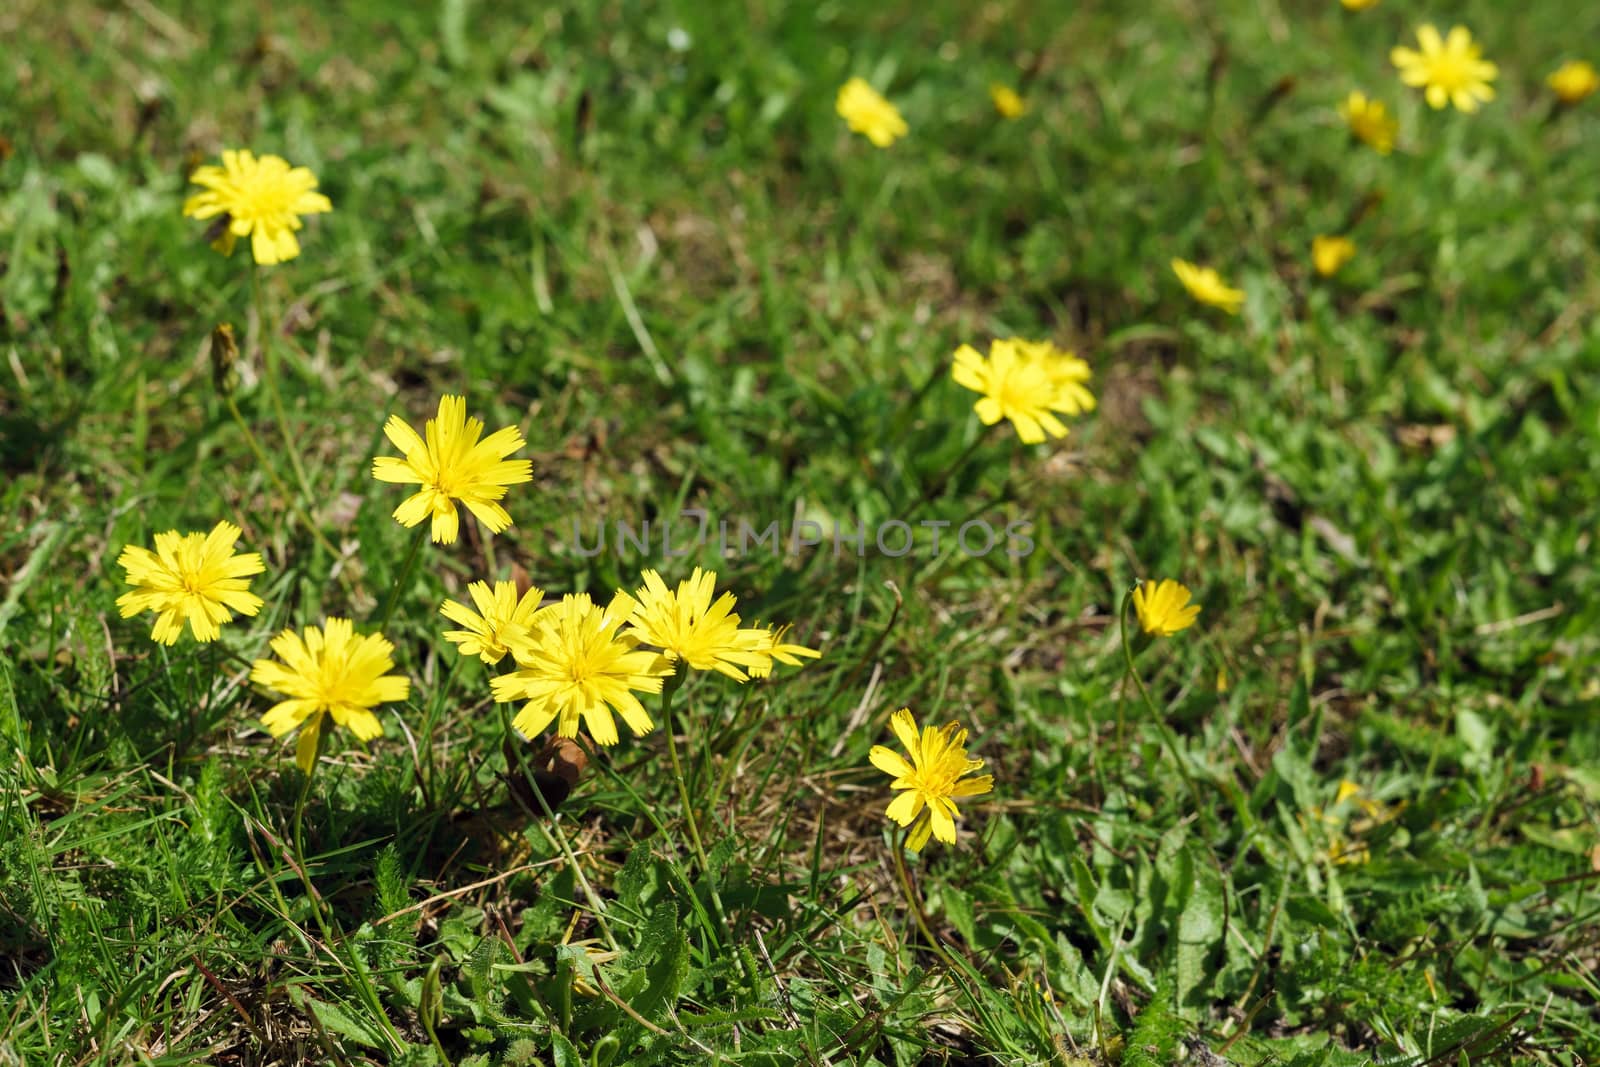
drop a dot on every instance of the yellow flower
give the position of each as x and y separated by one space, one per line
504 619
1006 101
1369 121
781 650
938 772
452 464
261 199
1021 385
193 578
579 663
686 625
1573 80
1066 371
867 112
1358 5
1207 286
1163 607
1450 70
328 671
1329 253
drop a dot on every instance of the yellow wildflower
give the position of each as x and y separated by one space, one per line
1449 70
451 465
1369 121
578 664
866 112
1358 5
1163 607
781 650
1207 286
938 772
261 199
1573 81
1007 102
330 671
685 624
193 578
501 619
1330 252
1018 385
1067 372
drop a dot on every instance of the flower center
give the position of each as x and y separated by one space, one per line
263 198
1452 70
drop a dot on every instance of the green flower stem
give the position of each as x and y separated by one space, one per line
937 485
400 580
277 482
914 901
1156 716
269 376
669 687
363 981
558 839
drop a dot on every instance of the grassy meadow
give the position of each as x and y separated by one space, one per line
1351 815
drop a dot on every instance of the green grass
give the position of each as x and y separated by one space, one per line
675 270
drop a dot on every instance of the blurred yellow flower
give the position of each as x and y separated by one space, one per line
685 624
190 578
579 663
1163 607
330 671
780 649
1024 382
1067 372
261 199
451 465
1358 5
1573 81
1449 70
868 113
938 772
1330 252
1369 121
1207 286
1007 102
501 619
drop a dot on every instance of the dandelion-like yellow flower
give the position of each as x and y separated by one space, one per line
331 671
193 578
259 198
1369 122
451 465
938 772
1163 607
1329 253
1207 286
1019 385
580 663
1007 102
866 112
1068 374
1358 5
685 624
1573 81
777 647
500 621
1449 70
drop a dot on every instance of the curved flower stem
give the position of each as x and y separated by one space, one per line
669 687
914 901
269 375
937 485
402 578
1156 717
559 840
324 923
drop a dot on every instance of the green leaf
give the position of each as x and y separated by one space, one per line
1200 928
